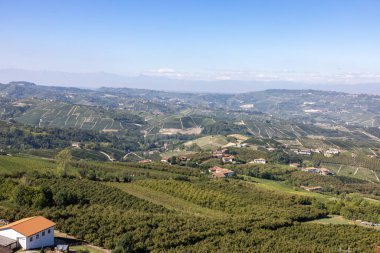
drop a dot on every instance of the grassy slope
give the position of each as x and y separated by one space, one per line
334 219
209 142
167 200
22 164
120 166
282 187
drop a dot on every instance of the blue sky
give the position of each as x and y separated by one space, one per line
197 39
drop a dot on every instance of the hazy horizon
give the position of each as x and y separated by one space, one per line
98 80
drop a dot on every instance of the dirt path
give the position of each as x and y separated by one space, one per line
133 153
249 129
371 136
108 156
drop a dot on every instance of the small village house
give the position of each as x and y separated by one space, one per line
312 189
304 152
325 172
310 169
145 161
321 171
29 233
218 172
219 153
259 161
75 144
183 158
331 152
228 159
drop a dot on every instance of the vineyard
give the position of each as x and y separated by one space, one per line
64 115
165 208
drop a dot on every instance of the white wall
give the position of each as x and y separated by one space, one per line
42 241
10 233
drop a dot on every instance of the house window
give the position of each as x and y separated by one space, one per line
49 231
31 239
37 236
43 233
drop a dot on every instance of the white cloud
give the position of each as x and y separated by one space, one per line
288 76
163 71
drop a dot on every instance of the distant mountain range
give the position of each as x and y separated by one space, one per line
36 104
101 79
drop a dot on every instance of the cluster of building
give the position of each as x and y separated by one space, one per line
321 171
181 160
224 155
327 153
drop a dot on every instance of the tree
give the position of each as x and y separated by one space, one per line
173 160
63 158
125 245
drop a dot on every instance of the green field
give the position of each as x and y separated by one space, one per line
167 200
25 164
209 142
282 187
334 220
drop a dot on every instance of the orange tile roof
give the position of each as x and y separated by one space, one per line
30 226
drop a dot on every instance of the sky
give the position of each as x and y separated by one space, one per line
321 41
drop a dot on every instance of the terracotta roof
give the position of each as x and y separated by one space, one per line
30 226
219 174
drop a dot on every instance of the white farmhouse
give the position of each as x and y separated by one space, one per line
30 233
259 161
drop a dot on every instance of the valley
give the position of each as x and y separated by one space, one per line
182 172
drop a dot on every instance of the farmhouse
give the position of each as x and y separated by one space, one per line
322 171
183 159
29 233
325 172
259 161
228 159
310 169
75 144
312 189
304 152
145 161
219 153
331 152
218 172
